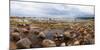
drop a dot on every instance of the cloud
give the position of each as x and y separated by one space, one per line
31 9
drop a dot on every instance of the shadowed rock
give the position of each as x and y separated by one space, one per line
15 36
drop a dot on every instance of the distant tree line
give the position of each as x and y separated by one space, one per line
85 18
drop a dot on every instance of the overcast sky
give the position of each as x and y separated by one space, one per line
32 9
87 2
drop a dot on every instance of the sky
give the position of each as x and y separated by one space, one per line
32 9
86 2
